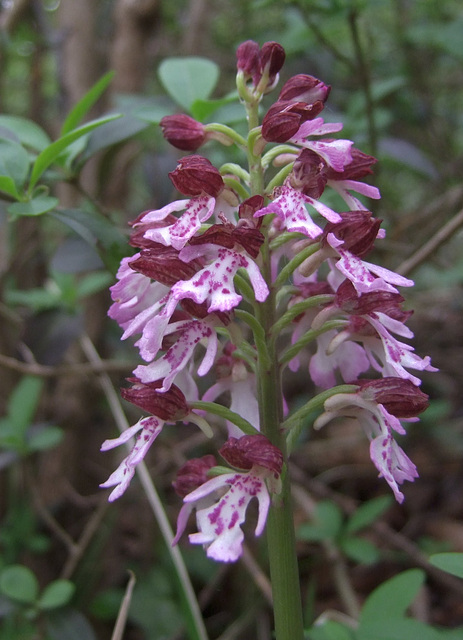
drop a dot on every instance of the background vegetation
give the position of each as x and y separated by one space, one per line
396 72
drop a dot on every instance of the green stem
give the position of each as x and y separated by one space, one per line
284 571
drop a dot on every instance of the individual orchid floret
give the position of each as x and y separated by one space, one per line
289 205
221 503
214 283
336 153
148 430
132 294
176 234
379 423
285 117
197 176
168 407
189 334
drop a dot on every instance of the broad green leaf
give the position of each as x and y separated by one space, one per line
48 155
188 79
398 629
47 438
23 401
38 299
367 513
68 624
151 109
112 133
97 231
392 598
359 550
28 133
327 523
14 161
449 561
35 207
79 111
202 109
331 631
7 185
19 583
94 282
56 594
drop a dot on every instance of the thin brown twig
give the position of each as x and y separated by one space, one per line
423 253
78 369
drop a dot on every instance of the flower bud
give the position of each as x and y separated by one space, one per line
271 59
247 58
247 451
309 174
169 406
193 474
304 88
399 396
183 132
358 230
195 176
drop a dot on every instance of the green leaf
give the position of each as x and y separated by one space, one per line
23 401
7 185
14 161
360 550
47 438
449 562
78 112
28 133
48 155
368 513
392 598
98 232
35 207
68 624
19 583
398 629
56 594
331 631
94 282
112 133
202 109
327 523
188 79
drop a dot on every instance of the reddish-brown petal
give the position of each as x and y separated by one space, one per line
170 406
193 474
358 230
195 176
247 451
305 88
399 396
163 265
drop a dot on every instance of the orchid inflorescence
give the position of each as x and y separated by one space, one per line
241 277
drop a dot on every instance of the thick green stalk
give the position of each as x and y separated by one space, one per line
284 572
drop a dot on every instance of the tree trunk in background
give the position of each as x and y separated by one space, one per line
79 59
135 21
